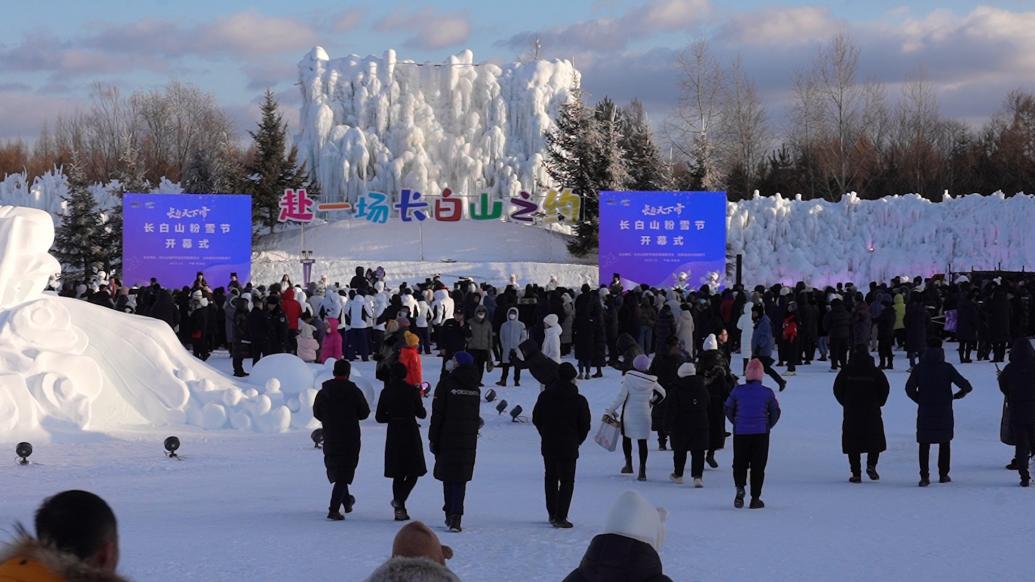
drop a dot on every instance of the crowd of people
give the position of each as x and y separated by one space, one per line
680 351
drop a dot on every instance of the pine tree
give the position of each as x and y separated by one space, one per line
79 241
198 177
570 164
610 171
273 168
647 170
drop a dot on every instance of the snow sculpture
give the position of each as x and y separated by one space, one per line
68 365
384 124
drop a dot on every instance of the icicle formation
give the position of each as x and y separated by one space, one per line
382 124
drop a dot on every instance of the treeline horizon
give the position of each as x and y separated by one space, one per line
844 136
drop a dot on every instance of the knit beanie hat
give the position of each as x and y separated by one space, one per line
641 363
411 339
710 343
567 372
686 370
755 371
464 359
634 517
416 540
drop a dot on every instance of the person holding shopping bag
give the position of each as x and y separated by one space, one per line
640 391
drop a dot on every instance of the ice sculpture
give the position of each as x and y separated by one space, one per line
383 124
68 365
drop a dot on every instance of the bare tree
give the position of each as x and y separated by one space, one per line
745 131
807 119
835 72
699 113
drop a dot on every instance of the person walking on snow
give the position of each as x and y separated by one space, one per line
562 417
754 411
639 392
340 406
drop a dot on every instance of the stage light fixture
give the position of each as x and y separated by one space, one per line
317 437
23 450
172 444
490 395
501 406
515 413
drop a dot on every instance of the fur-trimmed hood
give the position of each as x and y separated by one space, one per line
399 569
26 559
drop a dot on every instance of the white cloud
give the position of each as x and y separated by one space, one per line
347 19
611 34
430 28
781 26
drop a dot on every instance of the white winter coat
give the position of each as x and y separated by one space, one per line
552 340
408 301
442 307
746 327
422 315
634 403
685 331
358 308
378 304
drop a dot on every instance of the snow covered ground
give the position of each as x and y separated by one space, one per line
411 251
251 506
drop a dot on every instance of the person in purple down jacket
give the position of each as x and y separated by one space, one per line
754 411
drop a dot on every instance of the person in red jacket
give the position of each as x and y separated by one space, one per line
409 356
292 311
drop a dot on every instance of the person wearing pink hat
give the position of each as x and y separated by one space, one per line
754 411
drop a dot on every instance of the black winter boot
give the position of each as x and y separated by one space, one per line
738 501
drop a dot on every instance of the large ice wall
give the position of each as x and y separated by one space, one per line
384 124
819 242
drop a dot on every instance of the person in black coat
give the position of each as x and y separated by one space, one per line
930 386
542 368
664 328
627 550
862 389
399 407
664 366
1017 383
453 435
278 327
561 415
590 342
452 338
917 321
259 331
808 327
242 343
886 335
340 405
686 418
628 348
999 323
199 329
838 325
966 326
714 369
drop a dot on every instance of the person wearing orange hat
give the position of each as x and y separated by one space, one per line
409 356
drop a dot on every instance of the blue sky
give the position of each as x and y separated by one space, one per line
52 51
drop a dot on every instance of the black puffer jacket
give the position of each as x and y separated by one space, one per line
861 389
930 386
1017 383
543 369
455 418
615 558
562 417
686 414
340 405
